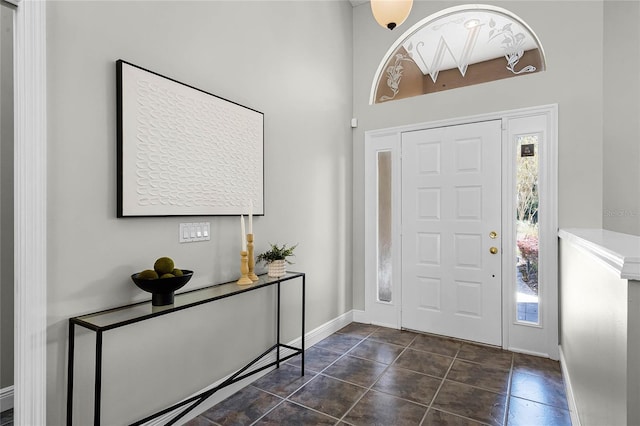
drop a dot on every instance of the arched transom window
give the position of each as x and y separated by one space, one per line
457 47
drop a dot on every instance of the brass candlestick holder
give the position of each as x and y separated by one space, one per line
251 261
244 269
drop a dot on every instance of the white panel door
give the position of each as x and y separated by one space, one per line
451 192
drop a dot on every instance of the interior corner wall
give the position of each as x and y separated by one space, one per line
621 150
290 60
571 35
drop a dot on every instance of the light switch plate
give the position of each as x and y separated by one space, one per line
192 232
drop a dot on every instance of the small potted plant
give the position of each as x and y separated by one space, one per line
276 259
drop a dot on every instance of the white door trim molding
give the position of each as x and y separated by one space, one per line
30 230
540 339
389 139
377 312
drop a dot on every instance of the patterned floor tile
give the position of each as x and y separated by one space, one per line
328 395
315 359
339 343
385 353
536 365
283 381
6 418
543 389
467 401
340 368
293 414
437 345
408 384
424 362
486 355
358 329
529 413
440 418
377 408
483 376
393 336
242 408
198 421
355 370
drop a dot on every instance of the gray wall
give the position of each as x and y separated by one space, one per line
571 34
621 111
290 60
6 197
299 64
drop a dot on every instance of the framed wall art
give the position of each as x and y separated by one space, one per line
183 151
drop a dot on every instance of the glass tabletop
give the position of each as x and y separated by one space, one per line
120 316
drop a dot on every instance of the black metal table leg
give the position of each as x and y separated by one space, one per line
302 334
70 361
98 379
278 330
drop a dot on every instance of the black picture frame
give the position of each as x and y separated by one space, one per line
182 151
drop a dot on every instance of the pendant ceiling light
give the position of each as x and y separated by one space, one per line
391 13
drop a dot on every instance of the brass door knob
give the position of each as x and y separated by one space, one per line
493 235
493 250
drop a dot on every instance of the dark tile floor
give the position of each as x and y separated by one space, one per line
368 375
6 418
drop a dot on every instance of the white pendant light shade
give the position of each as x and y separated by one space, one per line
391 13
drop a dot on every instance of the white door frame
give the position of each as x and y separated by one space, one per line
516 336
30 213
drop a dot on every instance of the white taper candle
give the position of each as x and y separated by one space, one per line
244 235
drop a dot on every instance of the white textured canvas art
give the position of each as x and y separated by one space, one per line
182 151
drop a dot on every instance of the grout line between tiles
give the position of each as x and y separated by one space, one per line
539 403
435 395
378 378
507 404
311 409
313 378
461 416
283 399
267 412
366 389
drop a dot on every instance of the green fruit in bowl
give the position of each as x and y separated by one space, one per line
177 272
148 274
164 265
167 276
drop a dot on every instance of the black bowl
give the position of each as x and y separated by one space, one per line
162 289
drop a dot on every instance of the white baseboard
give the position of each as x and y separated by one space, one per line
325 330
311 338
571 401
6 398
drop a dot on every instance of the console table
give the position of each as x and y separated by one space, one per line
110 319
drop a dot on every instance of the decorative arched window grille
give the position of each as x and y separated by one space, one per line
457 47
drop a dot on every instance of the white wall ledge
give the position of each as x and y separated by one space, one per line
619 251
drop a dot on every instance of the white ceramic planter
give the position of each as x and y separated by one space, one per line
277 268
